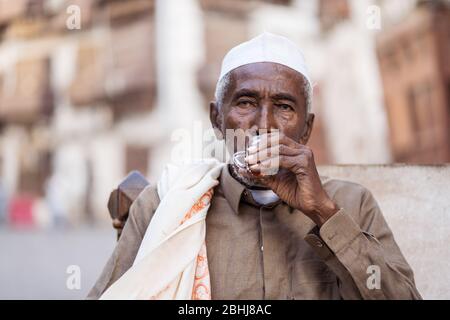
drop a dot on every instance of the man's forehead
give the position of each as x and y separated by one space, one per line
277 76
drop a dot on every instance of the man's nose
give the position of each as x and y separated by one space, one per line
266 120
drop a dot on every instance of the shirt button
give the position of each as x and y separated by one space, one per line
262 248
319 243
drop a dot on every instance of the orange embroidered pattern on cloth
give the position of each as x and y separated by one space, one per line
202 285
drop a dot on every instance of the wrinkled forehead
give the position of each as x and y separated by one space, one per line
266 76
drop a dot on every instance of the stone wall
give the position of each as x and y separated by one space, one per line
415 201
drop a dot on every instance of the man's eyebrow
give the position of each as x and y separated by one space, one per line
245 93
284 96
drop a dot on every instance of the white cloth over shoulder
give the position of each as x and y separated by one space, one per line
173 250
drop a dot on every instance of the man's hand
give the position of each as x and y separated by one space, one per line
297 183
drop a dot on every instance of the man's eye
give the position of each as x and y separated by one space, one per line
285 107
245 103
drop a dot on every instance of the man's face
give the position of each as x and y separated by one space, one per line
262 97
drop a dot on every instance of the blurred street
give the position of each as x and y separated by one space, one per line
33 263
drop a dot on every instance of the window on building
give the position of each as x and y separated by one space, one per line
413 114
280 2
34 174
422 122
448 102
333 12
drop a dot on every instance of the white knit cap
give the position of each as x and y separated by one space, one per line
266 47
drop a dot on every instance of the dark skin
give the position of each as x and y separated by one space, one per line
267 96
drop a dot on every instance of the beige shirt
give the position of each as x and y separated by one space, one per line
277 252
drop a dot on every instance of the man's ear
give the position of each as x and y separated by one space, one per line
216 119
307 128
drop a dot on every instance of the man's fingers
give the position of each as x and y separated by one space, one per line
270 152
274 151
267 167
262 155
270 140
271 166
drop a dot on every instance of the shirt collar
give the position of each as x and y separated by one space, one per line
232 189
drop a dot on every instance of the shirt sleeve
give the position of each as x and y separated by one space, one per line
122 258
364 255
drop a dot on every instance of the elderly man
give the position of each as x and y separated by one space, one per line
288 235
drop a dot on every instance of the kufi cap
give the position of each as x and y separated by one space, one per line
266 47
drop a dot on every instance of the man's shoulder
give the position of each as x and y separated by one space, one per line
337 186
148 196
352 196
145 204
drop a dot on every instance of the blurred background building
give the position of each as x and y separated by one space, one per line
91 89
86 98
82 105
415 70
